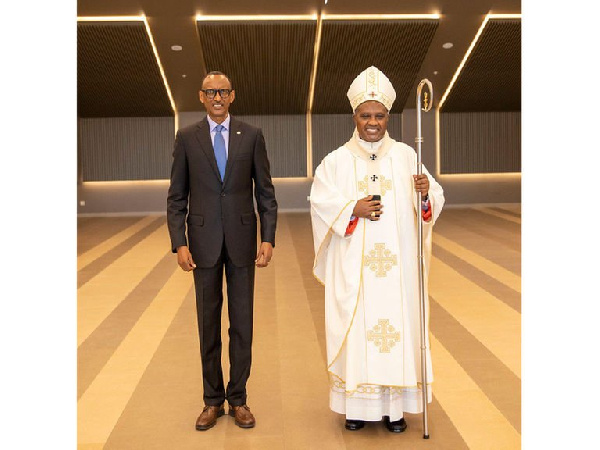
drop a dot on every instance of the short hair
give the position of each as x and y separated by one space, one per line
217 72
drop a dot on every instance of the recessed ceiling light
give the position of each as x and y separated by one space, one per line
448 45
183 76
176 48
435 72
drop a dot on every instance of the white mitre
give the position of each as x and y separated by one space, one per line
371 84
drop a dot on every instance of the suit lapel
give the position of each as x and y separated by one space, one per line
235 137
203 136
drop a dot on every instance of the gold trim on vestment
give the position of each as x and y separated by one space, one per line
323 242
359 152
355 148
332 383
360 284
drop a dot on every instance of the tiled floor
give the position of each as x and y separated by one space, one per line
139 384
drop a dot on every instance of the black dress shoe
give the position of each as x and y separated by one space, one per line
354 425
397 426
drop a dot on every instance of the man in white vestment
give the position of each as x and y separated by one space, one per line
364 215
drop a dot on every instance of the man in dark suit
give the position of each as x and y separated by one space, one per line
216 162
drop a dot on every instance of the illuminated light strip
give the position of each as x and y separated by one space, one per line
488 17
438 166
110 19
201 18
466 176
347 17
313 76
117 183
464 60
166 182
259 18
309 169
162 72
319 18
485 176
311 97
289 180
140 18
504 16
379 16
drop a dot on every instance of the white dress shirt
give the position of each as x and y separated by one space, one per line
225 131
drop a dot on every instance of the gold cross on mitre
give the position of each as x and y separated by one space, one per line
383 336
380 260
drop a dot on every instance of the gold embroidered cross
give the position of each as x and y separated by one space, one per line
383 336
385 185
363 186
380 260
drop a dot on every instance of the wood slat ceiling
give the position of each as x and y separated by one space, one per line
348 47
491 77
117 73
269 62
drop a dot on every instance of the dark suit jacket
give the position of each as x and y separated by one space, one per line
220 210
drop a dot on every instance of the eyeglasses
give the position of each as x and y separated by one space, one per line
211 93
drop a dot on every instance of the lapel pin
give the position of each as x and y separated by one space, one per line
238 132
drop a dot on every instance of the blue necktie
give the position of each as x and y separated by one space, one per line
220 153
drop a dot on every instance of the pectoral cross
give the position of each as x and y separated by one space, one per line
373 157
374 178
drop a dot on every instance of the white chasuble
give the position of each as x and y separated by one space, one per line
371 278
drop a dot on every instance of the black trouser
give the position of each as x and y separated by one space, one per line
209 303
